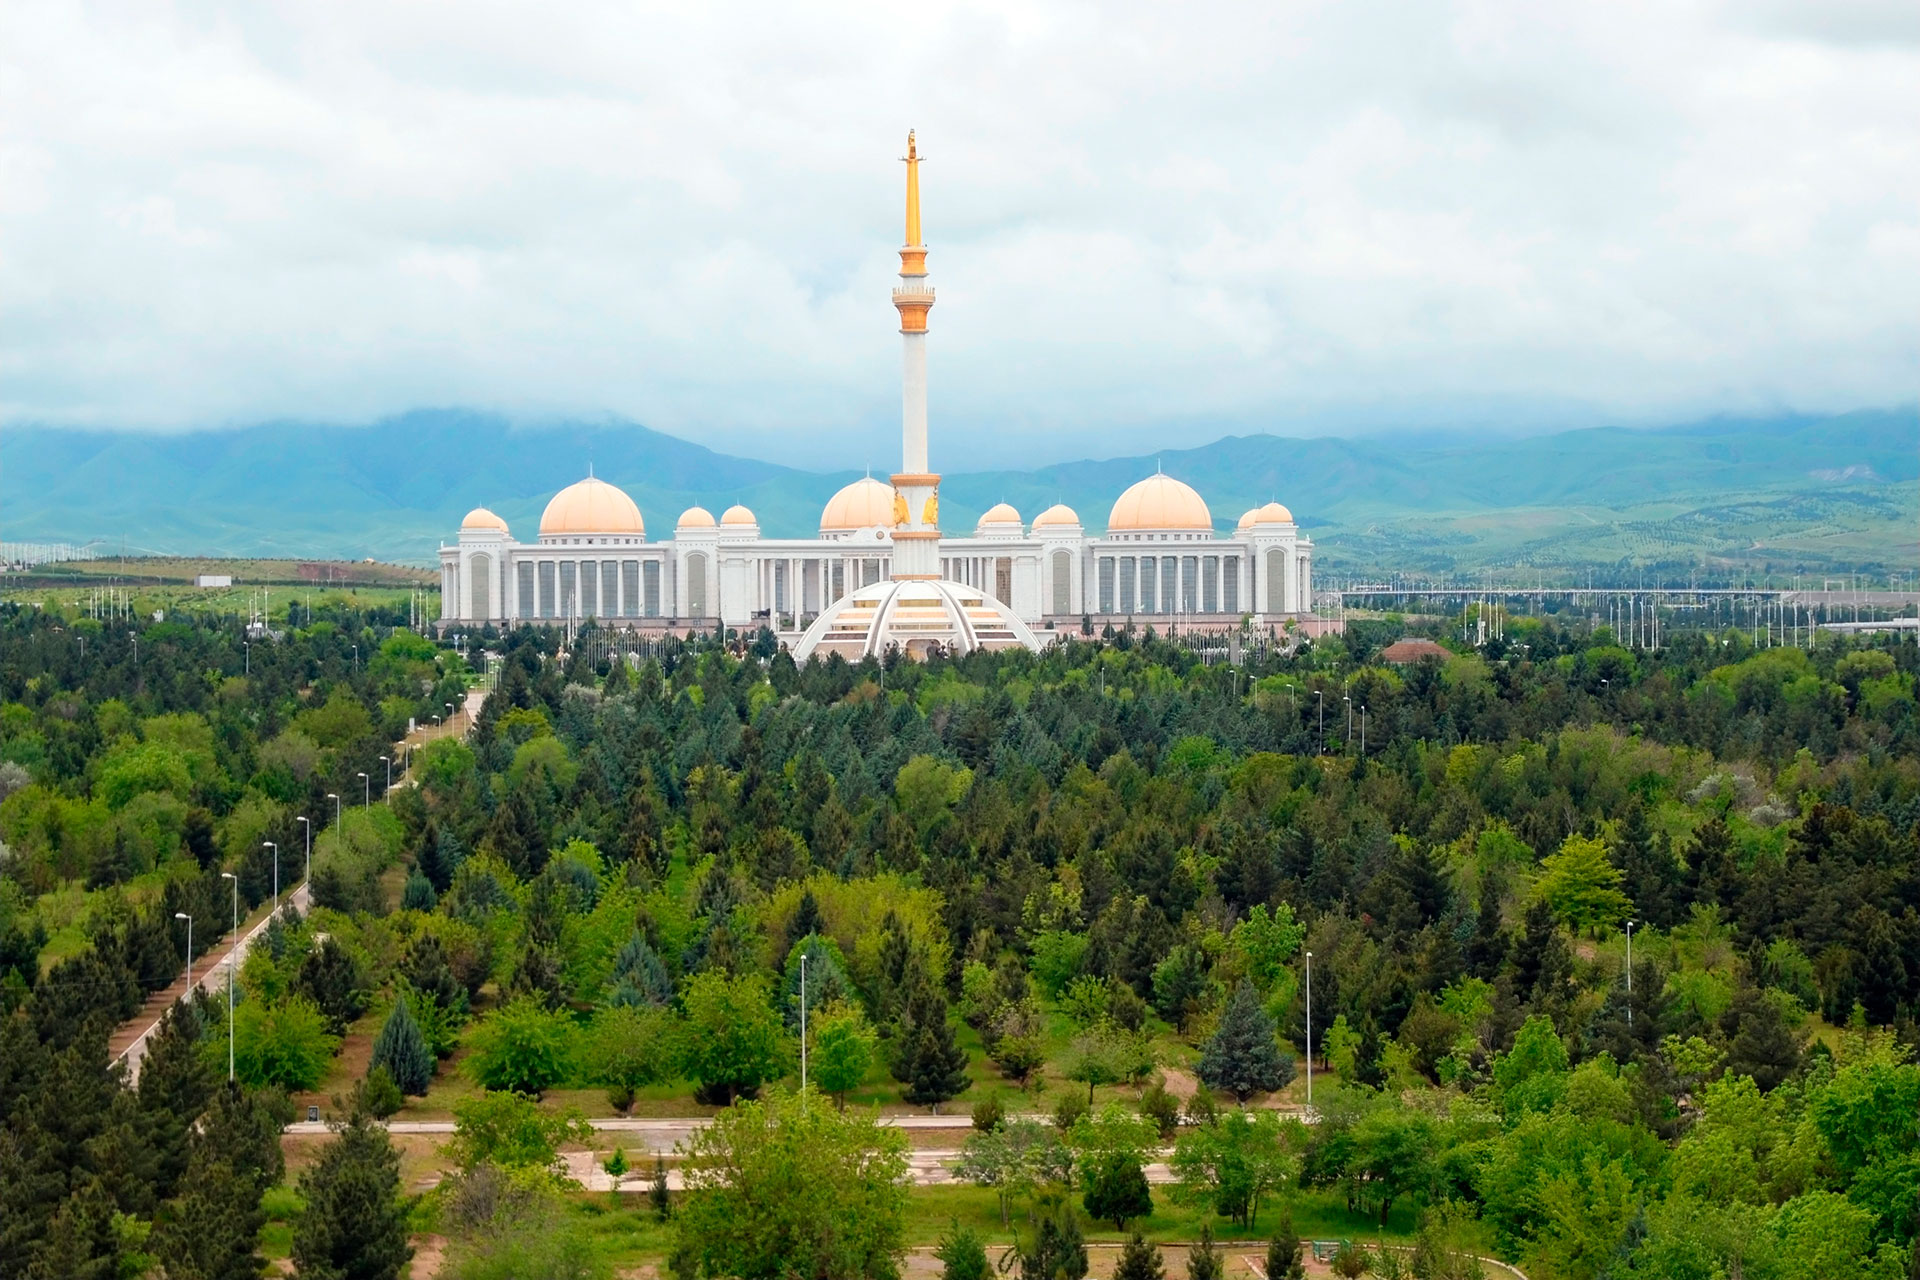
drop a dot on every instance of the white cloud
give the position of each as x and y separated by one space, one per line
1143 217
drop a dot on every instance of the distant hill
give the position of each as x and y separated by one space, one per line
1807 491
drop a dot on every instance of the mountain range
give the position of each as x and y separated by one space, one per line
1787 492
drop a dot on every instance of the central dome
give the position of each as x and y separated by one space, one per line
864 504
917 617
1159 502
591 506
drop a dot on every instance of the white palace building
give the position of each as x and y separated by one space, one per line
881 573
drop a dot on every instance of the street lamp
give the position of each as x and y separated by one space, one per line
1320 709
449 707
389 763
1363 730
307 826
1348 699
233 957
269 844
181 915
1309 1028
366 791
336 807
246 658
803 1028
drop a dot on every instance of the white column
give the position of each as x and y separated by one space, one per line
913 402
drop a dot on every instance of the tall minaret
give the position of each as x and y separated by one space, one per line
916 501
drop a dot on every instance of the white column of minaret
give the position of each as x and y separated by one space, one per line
913 396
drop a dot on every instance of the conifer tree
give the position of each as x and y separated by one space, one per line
418 895
80 1243
1243 1057
355 1227
404 1052
1139 1260
639 975
176 1083
1204 1260
210 1231
933 1065
1283 1253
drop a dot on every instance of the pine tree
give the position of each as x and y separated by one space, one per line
934 1066
355 1227
80 1243
418 895
657 1192
404 1052
962 1254
176 1083
806 921
430 977
1204 1260
1139 1260
639 975
1243 1056
330 978
1117 1190
1283 1253
211 1230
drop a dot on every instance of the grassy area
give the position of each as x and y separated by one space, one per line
147 599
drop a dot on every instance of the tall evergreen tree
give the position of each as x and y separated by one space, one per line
1243 1056
176 1083
639 975
404 1052
80 1243
355 1227
212 1230
932 1064
1204 1260
1283 1253
1139 1260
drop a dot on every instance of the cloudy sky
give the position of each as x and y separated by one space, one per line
1150 224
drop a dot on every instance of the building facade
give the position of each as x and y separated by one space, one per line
1159 559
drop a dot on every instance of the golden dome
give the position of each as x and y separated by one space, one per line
738 515
481 518
864 504
1272 513
1159 502
1059 514
695 518
999 513
591 506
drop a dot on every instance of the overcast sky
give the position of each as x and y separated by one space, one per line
1150 224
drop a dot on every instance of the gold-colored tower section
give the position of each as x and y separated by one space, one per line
916 489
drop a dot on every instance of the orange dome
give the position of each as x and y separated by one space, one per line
695 518
591 506
864 504
738 515
1159 502
999 513
1272 513
481 518
1058 515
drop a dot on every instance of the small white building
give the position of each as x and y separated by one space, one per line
213 580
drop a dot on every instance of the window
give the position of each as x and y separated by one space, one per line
1168 569
1147 593
480 587
569 601
1210 583
524 580
1003 579
643 588
1127 584
610 591
1276 581
589 590
697 584
1190 584
545 570
1062 582
1106 584
1231 585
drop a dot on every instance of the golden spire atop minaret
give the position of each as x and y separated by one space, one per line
916 503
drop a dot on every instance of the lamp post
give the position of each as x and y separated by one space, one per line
269 844
233 958
388 761
803 1028
366 791
246 659
1348 699
307 826
181 915
336 807
1320 709
1309 1028
449 707
1363 731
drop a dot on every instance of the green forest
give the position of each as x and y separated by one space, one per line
1608 958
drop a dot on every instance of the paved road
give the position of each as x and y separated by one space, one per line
129 1043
